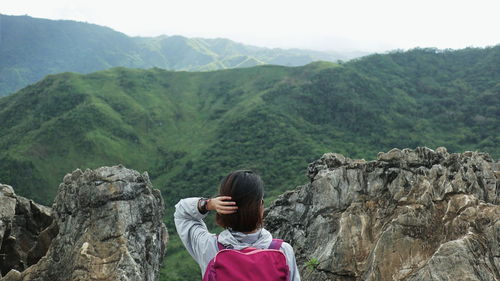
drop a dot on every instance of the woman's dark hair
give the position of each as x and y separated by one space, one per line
247 190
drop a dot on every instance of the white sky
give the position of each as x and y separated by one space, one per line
375 25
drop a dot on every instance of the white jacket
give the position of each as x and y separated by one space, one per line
202 245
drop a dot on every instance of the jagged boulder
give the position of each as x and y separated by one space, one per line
411 215
21 222
108 225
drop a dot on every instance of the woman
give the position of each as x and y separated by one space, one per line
240 211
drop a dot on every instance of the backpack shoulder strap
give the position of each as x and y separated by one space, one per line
276 244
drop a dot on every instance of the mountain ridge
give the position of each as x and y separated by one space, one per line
137 107
32 48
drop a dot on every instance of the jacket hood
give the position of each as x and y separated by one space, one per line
238 240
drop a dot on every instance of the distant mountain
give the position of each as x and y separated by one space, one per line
188 129
31 48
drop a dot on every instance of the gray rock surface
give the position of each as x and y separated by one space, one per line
108 226
21 222
411 215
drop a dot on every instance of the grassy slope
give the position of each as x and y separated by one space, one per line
143 119
189 129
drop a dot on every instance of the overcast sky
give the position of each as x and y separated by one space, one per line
368 25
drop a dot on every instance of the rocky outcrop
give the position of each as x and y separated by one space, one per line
411 215
21 222
107 226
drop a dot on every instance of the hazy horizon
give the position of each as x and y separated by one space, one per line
320 25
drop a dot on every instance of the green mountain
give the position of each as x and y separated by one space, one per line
31 48
189 129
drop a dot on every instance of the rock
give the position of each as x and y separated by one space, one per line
411 215
107 226
21 221
42 244
13 275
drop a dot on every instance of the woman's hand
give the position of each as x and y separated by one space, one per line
222 205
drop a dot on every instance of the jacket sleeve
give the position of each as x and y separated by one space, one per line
193 231
292 263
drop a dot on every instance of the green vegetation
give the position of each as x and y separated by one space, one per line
188 130
312 264
32 48
179 266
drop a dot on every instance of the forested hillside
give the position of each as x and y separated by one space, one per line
189 129
32 48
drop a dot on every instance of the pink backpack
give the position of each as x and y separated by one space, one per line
248 264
